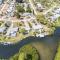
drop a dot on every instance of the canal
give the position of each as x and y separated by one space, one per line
51 41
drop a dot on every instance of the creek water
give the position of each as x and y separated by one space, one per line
8 50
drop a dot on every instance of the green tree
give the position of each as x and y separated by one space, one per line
26 52
17 14
57 57
30 24
22 30
20 9
30 52
28 10
15 57
57 22
41 18
21 56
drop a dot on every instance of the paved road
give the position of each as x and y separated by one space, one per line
32 6
44 13
5 6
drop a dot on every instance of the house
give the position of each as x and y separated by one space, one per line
2 29
40 35
6 43
27 14
36 26
39 7
10 10
54 17
13 32
27 28
56 11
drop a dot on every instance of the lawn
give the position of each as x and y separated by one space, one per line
57 57
27 52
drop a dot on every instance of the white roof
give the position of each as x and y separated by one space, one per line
13 35
33 18
6 43
2 29
14 29
55 16
39 5
27 14
40 35
37 26
57 11
13 32
27 28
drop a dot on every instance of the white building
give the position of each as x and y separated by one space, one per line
12 32
37 27
40 35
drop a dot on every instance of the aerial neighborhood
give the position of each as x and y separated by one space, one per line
23 18
29 29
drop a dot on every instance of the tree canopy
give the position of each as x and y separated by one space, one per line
27 52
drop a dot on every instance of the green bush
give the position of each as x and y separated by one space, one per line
22 30
17 14
41 18
30 53
28 10
15 57
57 57
20 9
27 52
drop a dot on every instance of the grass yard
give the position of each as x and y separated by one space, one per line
27 52
57 57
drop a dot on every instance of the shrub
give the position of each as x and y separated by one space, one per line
20 9
27 52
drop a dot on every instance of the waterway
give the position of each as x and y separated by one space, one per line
8 50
